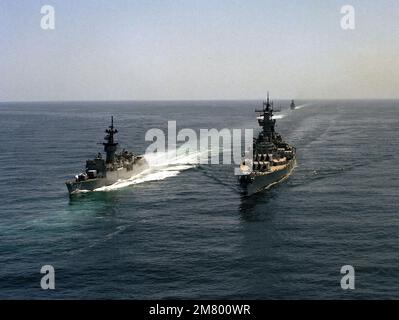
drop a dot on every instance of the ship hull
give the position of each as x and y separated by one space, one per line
112 177
255 183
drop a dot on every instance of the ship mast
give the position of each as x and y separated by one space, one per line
110 145
268 123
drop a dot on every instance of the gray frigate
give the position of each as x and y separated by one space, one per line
273 159
101 172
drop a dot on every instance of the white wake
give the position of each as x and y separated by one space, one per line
162 165
279 116
276 116
303 106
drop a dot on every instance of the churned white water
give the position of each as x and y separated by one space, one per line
162 165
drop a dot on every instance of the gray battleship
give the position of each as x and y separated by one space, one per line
116 166
293 106
273 159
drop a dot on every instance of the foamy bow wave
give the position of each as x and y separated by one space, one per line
154 176
162 166
81 191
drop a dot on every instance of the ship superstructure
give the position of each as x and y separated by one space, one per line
273 158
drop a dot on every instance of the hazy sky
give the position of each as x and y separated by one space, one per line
205 49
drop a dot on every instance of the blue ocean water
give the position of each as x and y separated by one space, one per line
187 232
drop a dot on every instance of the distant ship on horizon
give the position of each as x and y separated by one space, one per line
293 106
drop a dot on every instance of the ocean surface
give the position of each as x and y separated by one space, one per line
184 231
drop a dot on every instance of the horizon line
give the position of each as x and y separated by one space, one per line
197 100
